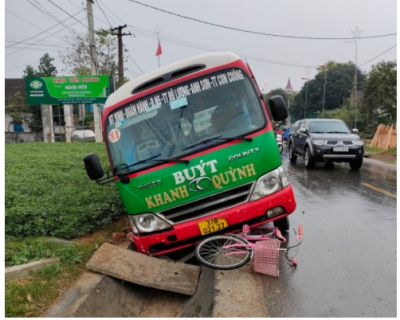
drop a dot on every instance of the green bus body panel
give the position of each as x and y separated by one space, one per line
226 168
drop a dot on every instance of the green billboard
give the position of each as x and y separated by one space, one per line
68 90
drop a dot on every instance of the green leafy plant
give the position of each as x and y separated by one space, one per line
48 192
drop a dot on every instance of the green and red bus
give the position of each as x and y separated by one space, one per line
192 151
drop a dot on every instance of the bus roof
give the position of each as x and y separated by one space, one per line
210 60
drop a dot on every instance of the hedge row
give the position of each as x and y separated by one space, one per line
48 192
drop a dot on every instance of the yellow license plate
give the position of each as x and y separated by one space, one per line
212 225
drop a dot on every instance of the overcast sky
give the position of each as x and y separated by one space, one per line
273 59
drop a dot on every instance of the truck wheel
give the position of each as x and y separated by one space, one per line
292 156
356 164
282 224
309 160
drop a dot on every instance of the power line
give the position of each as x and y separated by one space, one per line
29 22
206 48
111 12
48 14
378 55
43 31
39 44
104 13
67 13
135 62
255 32
14 38
24 64
40 40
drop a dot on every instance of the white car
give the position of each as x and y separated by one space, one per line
83 136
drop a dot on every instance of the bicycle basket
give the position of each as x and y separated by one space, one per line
266 257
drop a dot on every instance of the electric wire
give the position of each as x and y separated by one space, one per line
257 32
43 31
206 48
112 13
29 22
48 14
40 40
68 14
129 54
39 44
378 55
104 14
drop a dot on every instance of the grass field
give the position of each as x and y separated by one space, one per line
48 193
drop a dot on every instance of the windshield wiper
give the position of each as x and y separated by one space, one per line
218 138
116 169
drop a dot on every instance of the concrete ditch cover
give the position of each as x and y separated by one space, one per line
143 270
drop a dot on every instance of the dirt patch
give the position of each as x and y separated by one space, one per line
387 157
97 238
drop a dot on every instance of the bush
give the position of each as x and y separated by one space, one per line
49 193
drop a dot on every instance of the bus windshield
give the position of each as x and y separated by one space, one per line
183 119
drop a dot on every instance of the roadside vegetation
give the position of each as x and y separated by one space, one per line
48 194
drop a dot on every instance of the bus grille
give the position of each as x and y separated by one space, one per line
208 205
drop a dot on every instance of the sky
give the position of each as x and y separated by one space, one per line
280 42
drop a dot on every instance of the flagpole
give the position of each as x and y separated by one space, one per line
158 30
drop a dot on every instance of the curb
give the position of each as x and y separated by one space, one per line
23 270
201 304
96 295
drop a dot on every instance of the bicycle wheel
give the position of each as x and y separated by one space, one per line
213 252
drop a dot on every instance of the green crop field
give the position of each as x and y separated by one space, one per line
48 192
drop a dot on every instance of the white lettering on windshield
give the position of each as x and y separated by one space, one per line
173 94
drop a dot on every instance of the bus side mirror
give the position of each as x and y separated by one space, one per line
93 166
278 108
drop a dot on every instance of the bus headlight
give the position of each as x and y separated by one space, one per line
147 222
270 183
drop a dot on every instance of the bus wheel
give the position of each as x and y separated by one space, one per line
282 224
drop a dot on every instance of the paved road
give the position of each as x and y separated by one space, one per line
347 261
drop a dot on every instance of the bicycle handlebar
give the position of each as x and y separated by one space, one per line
300 227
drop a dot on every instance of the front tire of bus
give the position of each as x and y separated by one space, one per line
282 224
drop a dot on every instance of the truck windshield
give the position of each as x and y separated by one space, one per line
184 119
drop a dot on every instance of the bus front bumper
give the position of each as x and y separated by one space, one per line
187 234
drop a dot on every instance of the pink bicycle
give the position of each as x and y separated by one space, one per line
231 251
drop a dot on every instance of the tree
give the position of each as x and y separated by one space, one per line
379 103
45 69
339 82
16 106
288 98
78 60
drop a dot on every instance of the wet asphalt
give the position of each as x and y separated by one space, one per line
347 261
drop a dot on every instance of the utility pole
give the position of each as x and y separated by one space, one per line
93 71
356 34
120 52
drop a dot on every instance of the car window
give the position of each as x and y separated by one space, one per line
328 127
302 125
295 125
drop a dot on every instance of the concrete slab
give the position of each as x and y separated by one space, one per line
96 295
239 294
23 270
144 270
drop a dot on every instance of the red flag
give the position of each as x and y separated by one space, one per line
304 78
323 67
159 51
